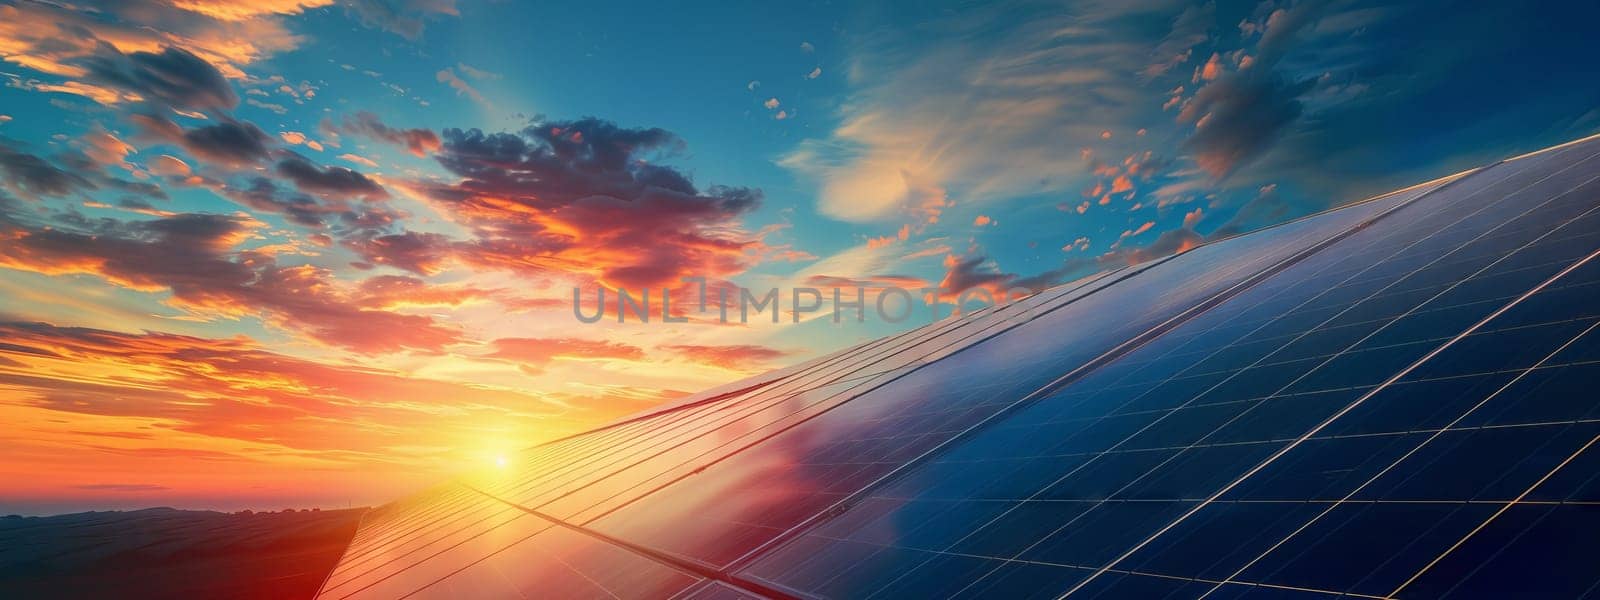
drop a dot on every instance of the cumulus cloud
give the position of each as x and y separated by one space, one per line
419 142
417 252
195 258
32 177
581 198
329 182
173 77
230 142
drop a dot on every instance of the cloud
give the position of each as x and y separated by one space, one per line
168 165
417 252
1239 116
230 143
419 142
534 354
32 177
360 160
736 357
404 18
971 272
1189 29
329 182
173 77
121 487
580 198
194 258
476 73
234 388
462 88
399 291
909 140
261 193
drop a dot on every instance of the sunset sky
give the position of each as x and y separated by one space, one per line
269 253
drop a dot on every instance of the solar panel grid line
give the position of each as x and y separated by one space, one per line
343 555
643 443
359 552
1434 435
475 514
1065 379
383 516
1520 497
651 414
729 390
714 590
578 572
463 519
766 379
1153 263
1419 302
424 517
1388 381
413 551
905 343
418 588
689 565
360 582
983 332
962 322
1274 253
687 412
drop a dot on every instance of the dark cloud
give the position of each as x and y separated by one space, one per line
329 182
417 252
962 274
1239 116
582 197
404 18
173 77
231 142
30 176
264 195
418 141
196 258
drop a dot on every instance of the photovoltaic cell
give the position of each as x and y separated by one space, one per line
735 506
1394 399
1111 463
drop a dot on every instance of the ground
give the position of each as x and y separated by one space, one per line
168 553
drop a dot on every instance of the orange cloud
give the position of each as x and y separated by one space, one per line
735 357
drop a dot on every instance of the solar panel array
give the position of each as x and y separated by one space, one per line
1389 400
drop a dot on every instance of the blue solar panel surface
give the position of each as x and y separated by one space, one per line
1390 400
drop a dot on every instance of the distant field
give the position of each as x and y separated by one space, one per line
167 553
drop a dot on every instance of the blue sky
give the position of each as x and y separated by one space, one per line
407 190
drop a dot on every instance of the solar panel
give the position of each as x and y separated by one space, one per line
1386 400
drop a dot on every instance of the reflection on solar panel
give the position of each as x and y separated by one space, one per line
1392 399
